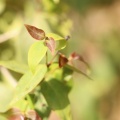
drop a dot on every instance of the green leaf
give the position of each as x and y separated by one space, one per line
61 42
36 53
55 36
3 118
6 95
28 82
14 66
21 104
56 95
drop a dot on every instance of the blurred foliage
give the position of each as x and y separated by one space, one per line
83 5
94 29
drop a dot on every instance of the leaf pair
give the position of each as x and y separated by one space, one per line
38 50
64 61
39 34
26 84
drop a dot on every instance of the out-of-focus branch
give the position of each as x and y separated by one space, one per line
8 76
8 35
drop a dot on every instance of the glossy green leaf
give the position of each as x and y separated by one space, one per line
56 95
60 41
14 66
36 53
28 82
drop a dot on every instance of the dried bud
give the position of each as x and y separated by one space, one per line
62 60
67 37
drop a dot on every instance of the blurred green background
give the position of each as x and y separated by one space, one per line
94 27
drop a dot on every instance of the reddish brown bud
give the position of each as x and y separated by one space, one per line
62 60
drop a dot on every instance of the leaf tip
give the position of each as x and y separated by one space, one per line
35 32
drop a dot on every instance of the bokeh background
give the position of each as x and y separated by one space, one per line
94 27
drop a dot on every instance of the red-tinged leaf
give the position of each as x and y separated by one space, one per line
15 114
50 43
75 56
16 117
32 115
78 71
62 60
36 33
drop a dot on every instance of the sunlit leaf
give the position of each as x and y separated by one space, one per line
56 95
54 36
36 52
61 44
28 82
3 118
21 104
36 33
62 60
50 43
6 95
14 66
57 72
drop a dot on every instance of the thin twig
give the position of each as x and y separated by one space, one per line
46 58
53 58
8 35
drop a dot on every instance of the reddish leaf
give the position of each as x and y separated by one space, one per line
15 114
62 60
50 43
75 56
16 117
78 71
32 115
36 33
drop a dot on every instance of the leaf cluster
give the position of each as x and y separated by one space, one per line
43 87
